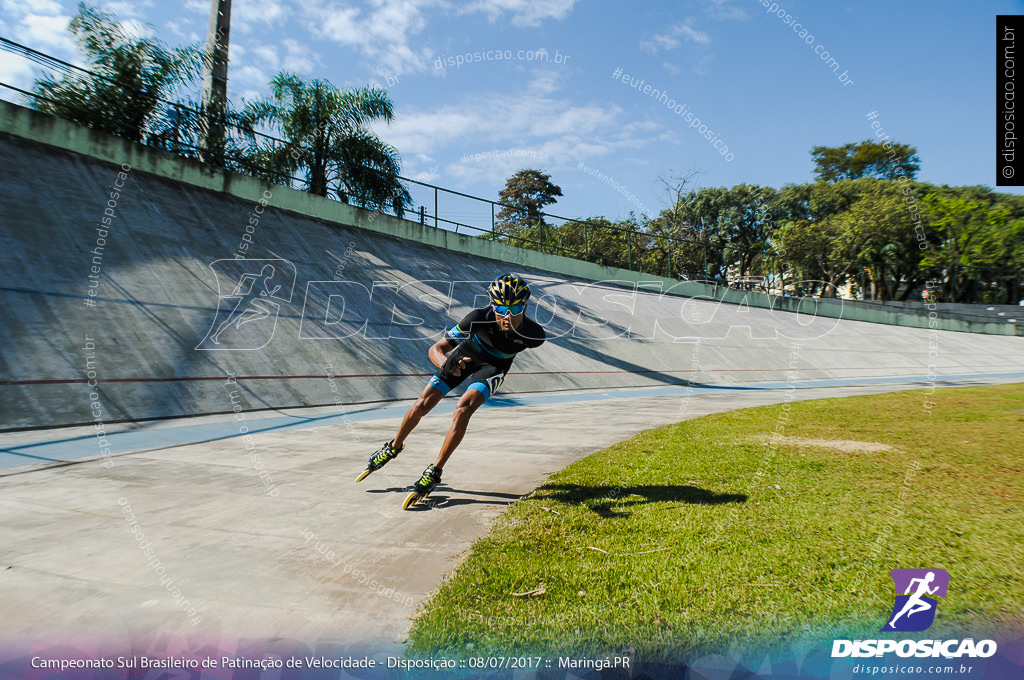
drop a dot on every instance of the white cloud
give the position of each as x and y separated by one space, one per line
383 30
672 69
137 29
41 32
266 54
724 9
255 65
381 34
40 25
15 70
540 132
674 36
188 29
249 75
425 132
524 12
300 59
247 13
249 95
544 81
427 177
124 9
700 66
338 24
33 6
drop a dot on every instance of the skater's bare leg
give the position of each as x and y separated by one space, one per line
464 410
427 401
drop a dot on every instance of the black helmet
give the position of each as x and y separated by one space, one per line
508 290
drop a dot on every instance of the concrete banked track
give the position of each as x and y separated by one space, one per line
352 304
341 321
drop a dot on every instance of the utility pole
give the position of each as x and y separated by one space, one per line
215 82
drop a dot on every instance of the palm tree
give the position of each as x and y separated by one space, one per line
129 76
328 141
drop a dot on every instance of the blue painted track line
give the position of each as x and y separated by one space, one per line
163 434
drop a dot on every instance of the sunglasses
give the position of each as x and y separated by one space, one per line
506 310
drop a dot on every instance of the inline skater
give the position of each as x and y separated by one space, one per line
480 348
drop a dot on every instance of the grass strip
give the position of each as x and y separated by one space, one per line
762 526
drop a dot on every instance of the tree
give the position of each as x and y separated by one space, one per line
979 246
129 76
523 199
745 225
328 141
693 224
808 244
878 234
865 159
807 248
595 239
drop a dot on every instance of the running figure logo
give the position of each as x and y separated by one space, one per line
914 611
247 313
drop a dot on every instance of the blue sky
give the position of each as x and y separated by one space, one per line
758 87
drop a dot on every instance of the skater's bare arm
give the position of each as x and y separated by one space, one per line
439 350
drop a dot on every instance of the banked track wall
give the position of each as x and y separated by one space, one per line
117 324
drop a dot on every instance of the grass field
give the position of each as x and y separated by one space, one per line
711 532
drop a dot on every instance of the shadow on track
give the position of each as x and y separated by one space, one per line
440 498
608 501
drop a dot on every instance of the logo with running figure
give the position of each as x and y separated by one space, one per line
914 610
250 294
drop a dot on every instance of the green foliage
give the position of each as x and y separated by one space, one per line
884 238
131 76
326 128
745 226
855 228
879 229
979 238
328 141
865 159
892 237
523 199
720 231
865 222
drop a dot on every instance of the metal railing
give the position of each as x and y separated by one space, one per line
176 127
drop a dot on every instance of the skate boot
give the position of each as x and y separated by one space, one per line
421 489
380 458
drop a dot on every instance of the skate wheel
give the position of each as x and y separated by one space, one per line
365 473
411 499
